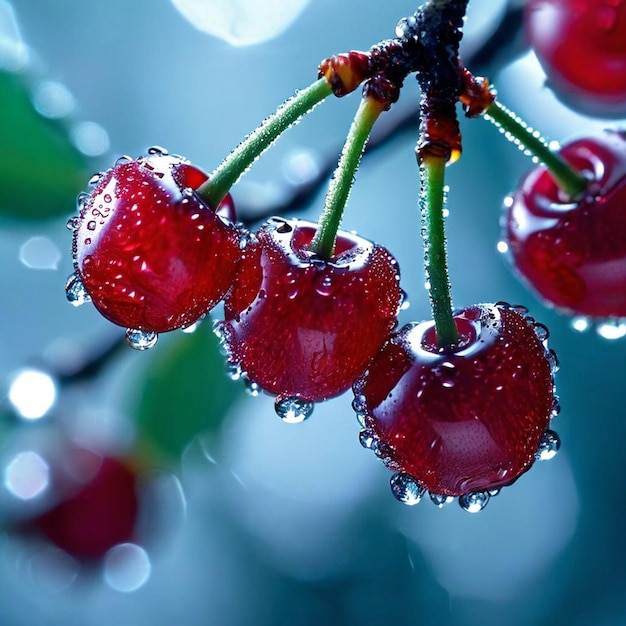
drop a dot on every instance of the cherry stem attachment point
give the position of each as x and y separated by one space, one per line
432 200
569 179
245 154
323 244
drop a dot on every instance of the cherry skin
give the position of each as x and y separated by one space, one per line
463 419
97 515
302 327
573 253
150 254
581 46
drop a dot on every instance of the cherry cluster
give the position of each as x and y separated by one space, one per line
458 406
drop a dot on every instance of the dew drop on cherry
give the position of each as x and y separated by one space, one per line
440 499
404 301
233 371
367 439
81 200
157 151
141 339
406 489
474 502
252 389
293 410
75 291
324 285
611 329
73 223
548 446
580 323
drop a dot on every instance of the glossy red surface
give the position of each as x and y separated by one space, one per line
573 254
100 515
581 45
464 419
304 327
149 252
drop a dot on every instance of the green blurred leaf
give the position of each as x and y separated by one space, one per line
185 393
41 170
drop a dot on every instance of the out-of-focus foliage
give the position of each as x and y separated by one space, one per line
184 393
41 170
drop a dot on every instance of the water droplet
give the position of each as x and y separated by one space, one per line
81 200
367 439
141 339
383 451
556 406
406 489
95 179
125 158
107 197
293 410
192 328
233 370
360 418
73 223
252 389
580 324
493 492
91 225
324 285
440 499
520 308
284 228
612 329
75 291
358 404
502 247
246 239
474 501
405 27
404 301
549 445
447 374
541 331
553 360
157 151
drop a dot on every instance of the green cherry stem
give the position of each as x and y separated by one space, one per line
323 244
570 180
432 201
228 172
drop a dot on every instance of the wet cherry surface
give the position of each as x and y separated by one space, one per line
303 327
581 45
463 419
151 255
573 253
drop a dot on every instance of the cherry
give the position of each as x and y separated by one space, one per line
573 252
466 419
304 328
147 251
98 514
582 48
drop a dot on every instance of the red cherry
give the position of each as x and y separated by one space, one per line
100 515
148 252
304 328
573 253
581 45
462 420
